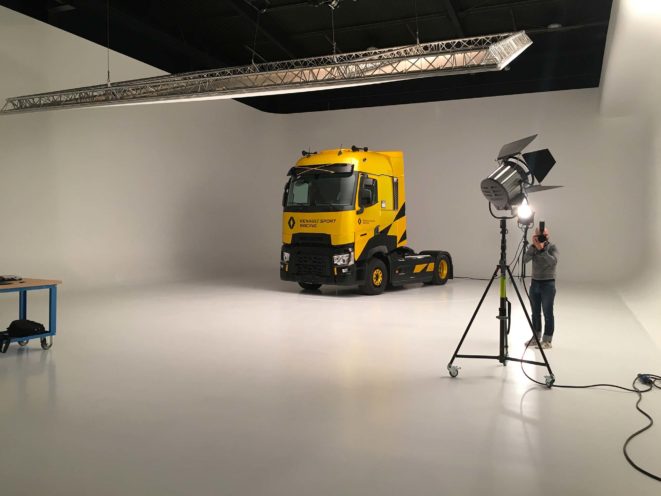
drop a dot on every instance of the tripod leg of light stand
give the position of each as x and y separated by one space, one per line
451 368
550 379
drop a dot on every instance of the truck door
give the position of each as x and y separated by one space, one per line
386 198
368 215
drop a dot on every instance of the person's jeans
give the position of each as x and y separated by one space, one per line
542 294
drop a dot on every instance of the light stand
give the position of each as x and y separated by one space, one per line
507 188
504 317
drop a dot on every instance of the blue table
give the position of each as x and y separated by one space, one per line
22 287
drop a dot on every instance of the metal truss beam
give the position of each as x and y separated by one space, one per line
466 55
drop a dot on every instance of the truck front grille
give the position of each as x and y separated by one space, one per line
312 265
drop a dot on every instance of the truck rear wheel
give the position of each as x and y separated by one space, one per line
376 278
441 270
309 286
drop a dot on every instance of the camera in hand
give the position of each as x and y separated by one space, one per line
541 237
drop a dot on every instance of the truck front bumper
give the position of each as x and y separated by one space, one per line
314 265
341 276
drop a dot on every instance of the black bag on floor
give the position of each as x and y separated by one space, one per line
25 328
5 339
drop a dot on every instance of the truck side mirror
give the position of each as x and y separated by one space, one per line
285 194
365 197
365 193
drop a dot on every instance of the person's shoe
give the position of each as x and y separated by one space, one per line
545 345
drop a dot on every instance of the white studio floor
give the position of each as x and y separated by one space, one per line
237 389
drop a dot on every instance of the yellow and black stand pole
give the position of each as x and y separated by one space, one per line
503 310
504 317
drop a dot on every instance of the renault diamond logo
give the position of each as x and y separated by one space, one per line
291 223
360 221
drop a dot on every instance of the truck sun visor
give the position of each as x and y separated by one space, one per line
323 168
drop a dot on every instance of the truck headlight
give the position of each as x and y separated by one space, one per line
343 259
285 256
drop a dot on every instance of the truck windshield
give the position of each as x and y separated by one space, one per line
321 191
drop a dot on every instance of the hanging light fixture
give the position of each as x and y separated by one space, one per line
460 56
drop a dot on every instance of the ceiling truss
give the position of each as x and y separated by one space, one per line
461 56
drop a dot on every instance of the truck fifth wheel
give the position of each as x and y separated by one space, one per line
344 223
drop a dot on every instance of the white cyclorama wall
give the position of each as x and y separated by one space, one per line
128 195
147 193
631 82
449 147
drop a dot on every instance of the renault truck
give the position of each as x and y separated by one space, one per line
344 223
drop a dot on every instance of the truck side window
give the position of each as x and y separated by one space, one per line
370 184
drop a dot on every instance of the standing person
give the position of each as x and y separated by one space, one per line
544 256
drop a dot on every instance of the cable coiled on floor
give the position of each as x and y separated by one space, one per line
650 380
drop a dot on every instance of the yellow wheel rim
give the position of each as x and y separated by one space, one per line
442 269
377 277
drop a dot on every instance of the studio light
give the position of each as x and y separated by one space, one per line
508 186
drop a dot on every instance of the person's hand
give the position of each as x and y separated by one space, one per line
537 244
535 240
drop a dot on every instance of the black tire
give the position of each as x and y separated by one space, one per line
309 286
441 270
45 344
376 278
23 343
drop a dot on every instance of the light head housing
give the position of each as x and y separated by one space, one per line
508 186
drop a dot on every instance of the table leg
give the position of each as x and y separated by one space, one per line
23 305
52 310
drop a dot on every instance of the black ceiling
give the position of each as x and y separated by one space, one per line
177 36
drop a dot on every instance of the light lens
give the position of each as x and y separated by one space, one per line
285 256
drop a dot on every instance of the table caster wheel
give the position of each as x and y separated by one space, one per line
23 343
453 370
549 380
46 344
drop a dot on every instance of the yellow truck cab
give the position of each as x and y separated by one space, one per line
344 223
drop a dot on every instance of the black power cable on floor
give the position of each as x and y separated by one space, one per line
649 380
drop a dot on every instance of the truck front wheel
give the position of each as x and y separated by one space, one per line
376 278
